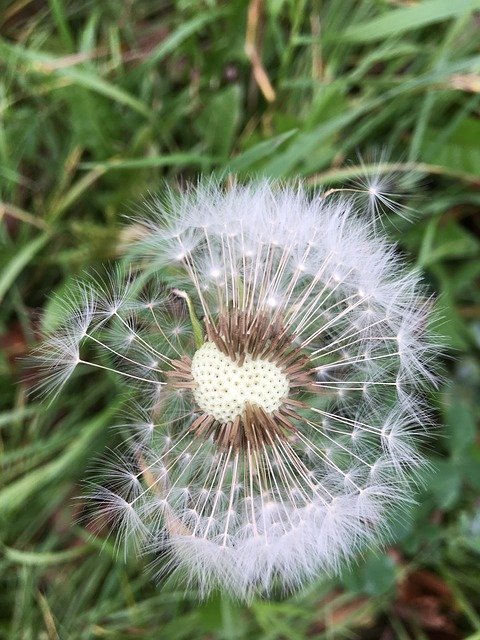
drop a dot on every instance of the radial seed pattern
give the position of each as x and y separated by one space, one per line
277 384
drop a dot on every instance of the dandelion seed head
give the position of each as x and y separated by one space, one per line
278 384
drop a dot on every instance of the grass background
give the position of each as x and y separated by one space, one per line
100 102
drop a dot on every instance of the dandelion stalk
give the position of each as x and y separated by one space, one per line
196 326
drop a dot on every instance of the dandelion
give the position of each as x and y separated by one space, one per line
275 351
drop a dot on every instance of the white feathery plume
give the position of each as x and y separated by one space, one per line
380 185
277 383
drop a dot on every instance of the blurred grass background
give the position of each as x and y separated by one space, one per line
100 102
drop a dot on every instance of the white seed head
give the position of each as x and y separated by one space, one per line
277 384
224 386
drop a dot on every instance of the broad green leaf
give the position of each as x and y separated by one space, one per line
460 422
446 484
218 122
373 576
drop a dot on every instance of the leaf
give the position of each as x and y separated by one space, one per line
15 494
446 484
466 134
398 21
221 607
460 422
168 160
471 469
445 320
455 148
7 417
219 120
49 65
184 31
374 576
247 159
19 261
44 558
62 202
446 241
459 158
306 143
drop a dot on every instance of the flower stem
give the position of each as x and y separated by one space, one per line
196 325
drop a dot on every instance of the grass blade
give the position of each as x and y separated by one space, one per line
394 23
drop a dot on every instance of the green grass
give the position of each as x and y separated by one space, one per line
102 101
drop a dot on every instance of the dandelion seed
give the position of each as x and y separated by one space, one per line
278 386
381 184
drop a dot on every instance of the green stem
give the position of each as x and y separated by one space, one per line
196 325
